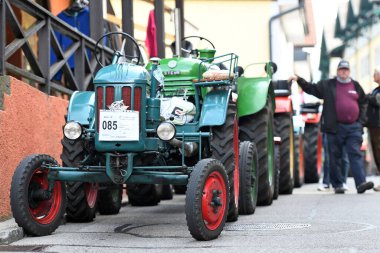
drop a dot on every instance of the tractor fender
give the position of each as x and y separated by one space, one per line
253 94
82 107
214 109
283 104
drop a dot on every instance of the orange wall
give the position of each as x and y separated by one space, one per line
30 122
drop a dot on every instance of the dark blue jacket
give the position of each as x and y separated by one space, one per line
79 20
373 109
326 90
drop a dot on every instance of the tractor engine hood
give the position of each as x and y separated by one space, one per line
121 73
181 69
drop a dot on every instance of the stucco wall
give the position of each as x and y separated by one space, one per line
30 123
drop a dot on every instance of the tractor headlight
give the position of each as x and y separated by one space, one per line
72 130
166 131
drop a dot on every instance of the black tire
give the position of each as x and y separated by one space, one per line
249 175
310 148
222 147
283 123
298 162
167 192
38 217
180 189
81 196
258 128
144 194
109 199
207 200
277 165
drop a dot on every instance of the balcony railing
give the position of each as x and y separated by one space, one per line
37 68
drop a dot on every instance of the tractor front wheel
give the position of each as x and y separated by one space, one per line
35 209
207 199
249 175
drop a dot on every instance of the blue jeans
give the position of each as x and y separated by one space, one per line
326 169
349 137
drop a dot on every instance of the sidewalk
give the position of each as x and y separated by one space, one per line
10 232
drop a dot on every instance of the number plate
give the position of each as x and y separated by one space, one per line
118 125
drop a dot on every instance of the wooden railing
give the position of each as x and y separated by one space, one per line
37 68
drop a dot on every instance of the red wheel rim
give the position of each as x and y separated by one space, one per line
44 211
236 169
91 190
213 214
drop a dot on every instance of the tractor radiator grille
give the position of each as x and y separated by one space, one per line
104 100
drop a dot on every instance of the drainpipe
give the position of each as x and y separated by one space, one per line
275 17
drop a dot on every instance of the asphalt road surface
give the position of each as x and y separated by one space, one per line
306 221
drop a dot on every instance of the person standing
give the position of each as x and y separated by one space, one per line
325 186
373 119
342 117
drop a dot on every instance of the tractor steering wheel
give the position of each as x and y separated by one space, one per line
195 51
200 38
120 52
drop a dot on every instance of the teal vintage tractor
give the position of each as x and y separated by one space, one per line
121 133
256 107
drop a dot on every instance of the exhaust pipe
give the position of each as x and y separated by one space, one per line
191 148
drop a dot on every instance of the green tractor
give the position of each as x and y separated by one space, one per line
256 106
143 129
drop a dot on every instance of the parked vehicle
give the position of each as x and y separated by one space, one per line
116 134
256 107
284 128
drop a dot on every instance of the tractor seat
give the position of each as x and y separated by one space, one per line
216 75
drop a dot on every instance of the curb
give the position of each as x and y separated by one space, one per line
10 232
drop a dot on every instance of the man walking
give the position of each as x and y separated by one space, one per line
342 118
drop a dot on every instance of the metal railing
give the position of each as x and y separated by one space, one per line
40 70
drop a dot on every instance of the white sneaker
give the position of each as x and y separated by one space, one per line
345 187
323 188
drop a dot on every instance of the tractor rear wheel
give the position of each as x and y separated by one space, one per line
224 147
167 192
207 199
310 147
277 166
144 194
249 175
258 128
180 189
298 162
109 199
35 212
284 128
81 196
